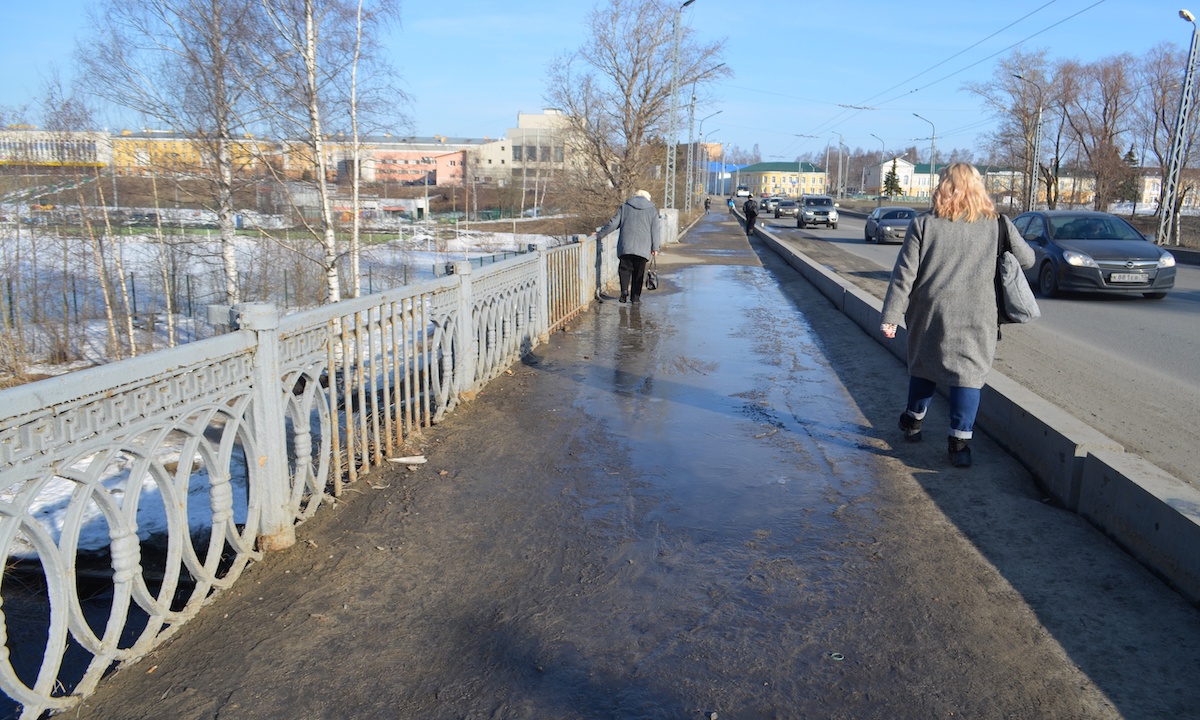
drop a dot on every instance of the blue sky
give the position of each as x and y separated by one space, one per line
471 65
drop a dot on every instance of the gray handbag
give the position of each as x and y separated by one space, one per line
1014 298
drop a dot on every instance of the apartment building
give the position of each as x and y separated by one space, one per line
27 146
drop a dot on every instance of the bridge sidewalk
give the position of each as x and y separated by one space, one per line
693 505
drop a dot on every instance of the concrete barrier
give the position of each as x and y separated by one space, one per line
1153 515
1050 443
1147 511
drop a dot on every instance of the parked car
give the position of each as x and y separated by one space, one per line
142 219
888 224
817 210
788 208
1086 251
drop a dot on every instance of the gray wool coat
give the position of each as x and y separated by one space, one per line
640 229
943 289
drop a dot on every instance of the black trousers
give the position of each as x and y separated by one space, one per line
632 271
750 220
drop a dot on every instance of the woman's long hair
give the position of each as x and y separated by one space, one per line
960 195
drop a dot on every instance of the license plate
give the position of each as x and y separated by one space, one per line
1129 278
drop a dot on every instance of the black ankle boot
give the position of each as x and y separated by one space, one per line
959 452
911 427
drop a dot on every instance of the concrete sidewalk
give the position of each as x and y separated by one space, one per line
693 505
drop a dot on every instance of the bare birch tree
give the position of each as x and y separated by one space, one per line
185 64
313 65
616 92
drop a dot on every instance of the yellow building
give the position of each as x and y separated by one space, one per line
157 151
788 179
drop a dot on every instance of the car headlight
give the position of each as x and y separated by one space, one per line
1078 259
833 214
1166 260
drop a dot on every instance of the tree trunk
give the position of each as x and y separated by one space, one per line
355 269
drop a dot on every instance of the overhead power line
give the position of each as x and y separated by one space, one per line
841 117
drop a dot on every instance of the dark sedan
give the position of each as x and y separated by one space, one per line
786 208
888 224
1084 251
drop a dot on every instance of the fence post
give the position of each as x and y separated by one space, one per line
586 267
466 335
604 271
268 466
593 246
539 325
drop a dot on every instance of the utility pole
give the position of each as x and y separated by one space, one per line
691 153
1031 188
882 153
1170 188
669 189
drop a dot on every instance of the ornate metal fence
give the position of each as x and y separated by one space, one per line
130 494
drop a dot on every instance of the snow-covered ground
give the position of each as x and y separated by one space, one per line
416 254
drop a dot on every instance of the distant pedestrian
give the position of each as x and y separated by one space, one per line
750 207
943 288
639 239
707 204
730 203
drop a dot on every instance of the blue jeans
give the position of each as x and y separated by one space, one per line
964 404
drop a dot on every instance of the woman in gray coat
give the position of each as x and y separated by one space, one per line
943 289
638 241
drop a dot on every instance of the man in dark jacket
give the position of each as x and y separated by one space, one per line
639 239
750 207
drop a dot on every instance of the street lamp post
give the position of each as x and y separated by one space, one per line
1031 187
707 161
826 188
882 153
932 154
672 131
841 178
691 161
840 181
1166 203
723 192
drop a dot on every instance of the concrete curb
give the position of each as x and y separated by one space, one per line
1185 256
1151 514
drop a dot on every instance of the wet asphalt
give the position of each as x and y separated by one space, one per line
694 506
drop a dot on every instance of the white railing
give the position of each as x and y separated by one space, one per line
132 493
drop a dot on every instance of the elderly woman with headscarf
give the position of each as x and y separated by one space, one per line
943 288
639 239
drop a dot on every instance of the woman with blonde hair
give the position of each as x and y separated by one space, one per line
943 288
